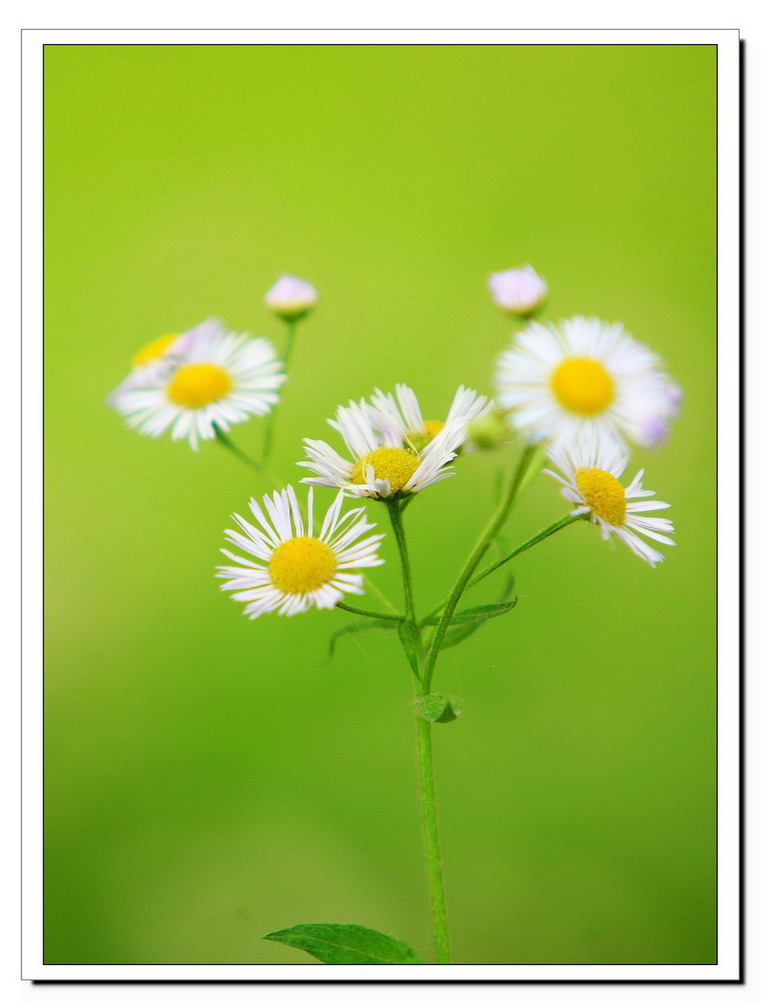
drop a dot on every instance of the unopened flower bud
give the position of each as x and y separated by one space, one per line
674 396
490 431
652 432
519 291
291 298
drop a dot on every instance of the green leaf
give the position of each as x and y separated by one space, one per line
438 707
409 643
464 624
346 944
456 635
479 613
362 627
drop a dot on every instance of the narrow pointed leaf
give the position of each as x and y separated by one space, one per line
456 635
479 613
346 944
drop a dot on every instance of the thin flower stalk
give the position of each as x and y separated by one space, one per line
492 529
244 457
550 530
368 612
269 427
425 751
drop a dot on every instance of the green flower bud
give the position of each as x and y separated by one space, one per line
490 431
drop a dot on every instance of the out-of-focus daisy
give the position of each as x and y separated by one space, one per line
393 450
156 349
518 291
144 363
584 380
590 478
291 298
206 378
287 569
654 427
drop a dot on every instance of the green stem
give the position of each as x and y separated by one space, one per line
544 534
224 440
368 612
424 749
517 484
432 846
395 515
269 427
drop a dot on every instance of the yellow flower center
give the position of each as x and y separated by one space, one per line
389 463
432 428
603 493
583 385
419 441
302 565
198 384
154 349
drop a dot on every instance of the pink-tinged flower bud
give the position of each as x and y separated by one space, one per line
674 396
652 432
291 297
518 292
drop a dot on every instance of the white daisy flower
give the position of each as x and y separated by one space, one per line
584 379
292 570
204 379
590 479
393 449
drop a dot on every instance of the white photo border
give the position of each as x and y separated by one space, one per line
728 969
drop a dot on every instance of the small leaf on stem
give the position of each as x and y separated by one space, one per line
438 707
408 640
477 613
346 944
465 624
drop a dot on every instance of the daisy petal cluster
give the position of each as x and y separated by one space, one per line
393 449
286 567
590 478
204 379
401 414
585 380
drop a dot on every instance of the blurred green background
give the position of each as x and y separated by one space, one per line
209 779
